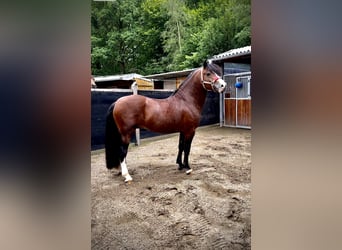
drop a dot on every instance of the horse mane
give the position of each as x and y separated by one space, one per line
183 83
211 66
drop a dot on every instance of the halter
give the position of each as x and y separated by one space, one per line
209 85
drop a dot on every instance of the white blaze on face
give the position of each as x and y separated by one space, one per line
220 85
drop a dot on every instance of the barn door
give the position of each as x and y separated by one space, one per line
237 100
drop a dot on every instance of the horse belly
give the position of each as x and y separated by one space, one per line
163 124
169 118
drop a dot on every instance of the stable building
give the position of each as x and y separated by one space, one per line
169 80
236 101
123 81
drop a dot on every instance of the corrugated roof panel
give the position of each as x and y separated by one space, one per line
125 77
233 53
170 74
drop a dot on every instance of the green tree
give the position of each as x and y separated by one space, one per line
152 26
221 25
153 36
114 36
173 35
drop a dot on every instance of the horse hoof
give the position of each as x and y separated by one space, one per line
188 171
128 179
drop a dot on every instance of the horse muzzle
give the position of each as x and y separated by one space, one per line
219 85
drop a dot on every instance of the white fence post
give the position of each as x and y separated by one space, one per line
134 87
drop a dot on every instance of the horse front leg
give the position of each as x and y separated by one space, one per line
187 147
180 151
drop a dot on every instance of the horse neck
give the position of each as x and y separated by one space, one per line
192 90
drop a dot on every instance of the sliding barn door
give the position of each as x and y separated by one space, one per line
238 101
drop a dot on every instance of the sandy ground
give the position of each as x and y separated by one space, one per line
163 208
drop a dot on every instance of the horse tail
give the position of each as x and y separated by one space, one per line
113 141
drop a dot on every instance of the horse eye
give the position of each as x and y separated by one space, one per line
208 74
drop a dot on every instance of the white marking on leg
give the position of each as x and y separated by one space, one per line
188 171
124 171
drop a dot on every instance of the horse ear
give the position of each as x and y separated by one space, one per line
205 63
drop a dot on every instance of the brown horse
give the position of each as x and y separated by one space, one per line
180 112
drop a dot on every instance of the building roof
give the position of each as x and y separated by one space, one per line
233 53
172 74
239 54
124 77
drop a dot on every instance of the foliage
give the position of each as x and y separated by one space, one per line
154 36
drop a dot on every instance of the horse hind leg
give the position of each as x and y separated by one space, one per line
124 171
123 165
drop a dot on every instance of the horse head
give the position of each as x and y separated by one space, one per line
211 77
